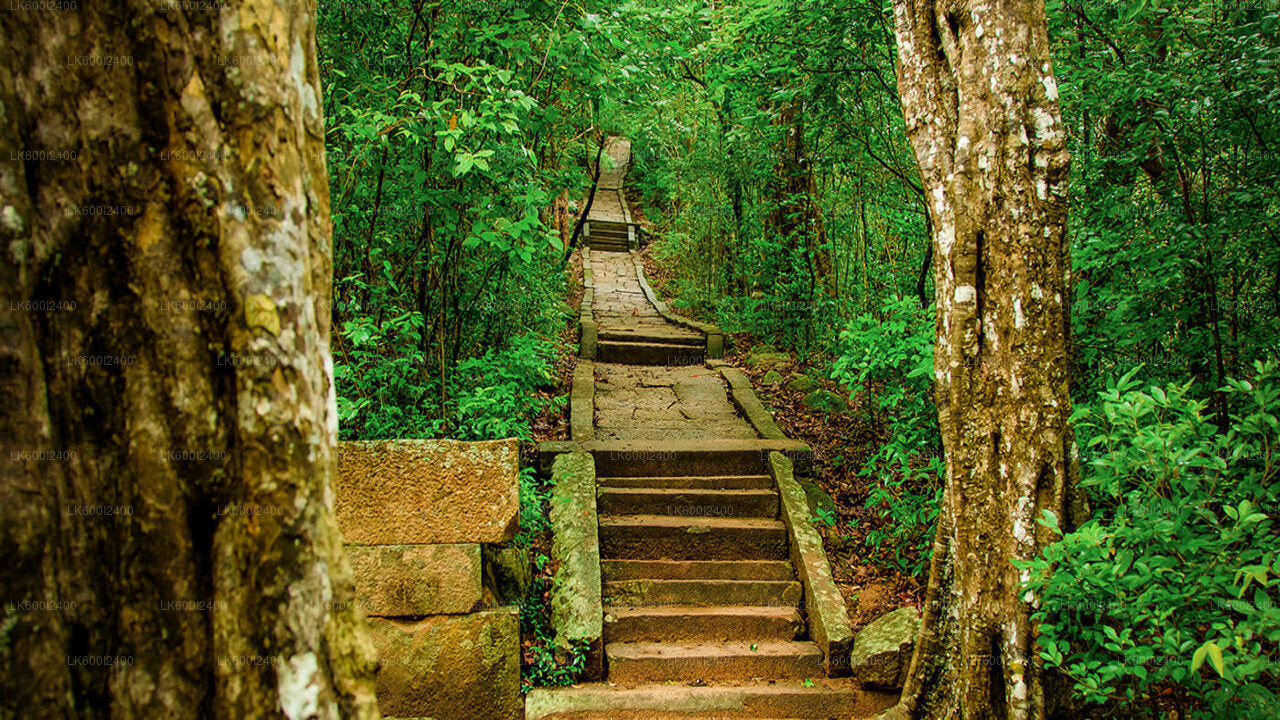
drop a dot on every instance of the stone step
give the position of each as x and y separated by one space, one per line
659 537
726 482
679 457
759 502
644 353
705 459
710 623
607 246
611 233
662 593
696 570
711 662
653 337
599 701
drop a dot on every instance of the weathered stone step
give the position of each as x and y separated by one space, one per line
678 457
696 570
652 337
711 623
659 537
709 662
726 482
661 593
759 502
598 701
645 353
610 233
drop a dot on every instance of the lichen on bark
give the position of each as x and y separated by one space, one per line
191 383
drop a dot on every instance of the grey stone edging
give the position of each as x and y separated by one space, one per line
829 625
747 400
577 608
588 331
714 335
582 399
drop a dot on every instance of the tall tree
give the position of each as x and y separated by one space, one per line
167 407
980 101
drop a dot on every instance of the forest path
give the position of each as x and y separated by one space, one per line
703 609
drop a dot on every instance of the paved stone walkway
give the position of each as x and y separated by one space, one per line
703 612
607 206
635 402
640 402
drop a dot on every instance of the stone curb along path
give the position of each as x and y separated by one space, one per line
695 579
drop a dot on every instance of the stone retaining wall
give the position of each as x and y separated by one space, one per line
829 625
577 610
414 514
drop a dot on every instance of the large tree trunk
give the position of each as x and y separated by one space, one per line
980 102
168 425
797 216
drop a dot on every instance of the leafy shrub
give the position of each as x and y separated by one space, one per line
500 390
894 353
383 390
1179 566
544 664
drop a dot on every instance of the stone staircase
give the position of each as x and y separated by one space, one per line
703 613
695 577
608 236
651 347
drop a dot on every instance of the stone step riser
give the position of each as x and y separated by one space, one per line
710 666
693 342
680 463
665 593
694 625
688 503
650 543
618 570
731 482
637 353
660 702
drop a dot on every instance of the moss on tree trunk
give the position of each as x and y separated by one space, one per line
980 102
185 382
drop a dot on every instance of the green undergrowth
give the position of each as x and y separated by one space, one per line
1175 582
543 662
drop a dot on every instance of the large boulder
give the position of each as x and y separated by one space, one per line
826 401
801 383
882 651
764 356
818 498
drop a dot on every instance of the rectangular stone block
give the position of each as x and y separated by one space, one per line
413 492
829 624
577 610
450 667
416 580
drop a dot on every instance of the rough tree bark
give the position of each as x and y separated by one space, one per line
167 407
797 216
980 102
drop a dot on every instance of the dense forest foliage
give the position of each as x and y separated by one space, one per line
780 195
